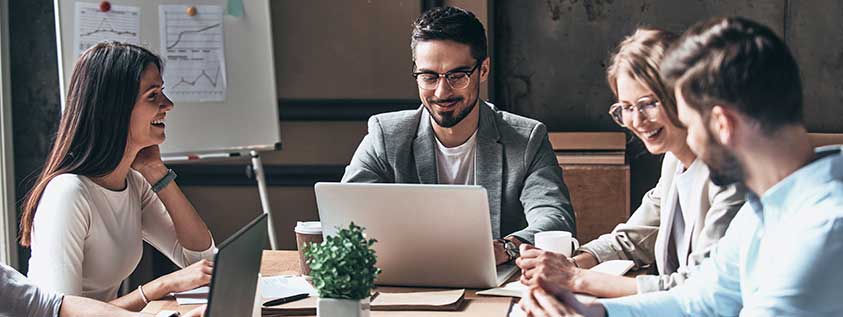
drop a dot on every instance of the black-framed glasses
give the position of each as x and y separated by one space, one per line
623 113
457 79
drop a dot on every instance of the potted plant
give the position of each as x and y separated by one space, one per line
343 271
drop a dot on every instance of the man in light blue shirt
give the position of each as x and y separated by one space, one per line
739 93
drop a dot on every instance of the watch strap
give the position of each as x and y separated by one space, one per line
171 175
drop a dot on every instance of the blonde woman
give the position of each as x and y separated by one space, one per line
679 220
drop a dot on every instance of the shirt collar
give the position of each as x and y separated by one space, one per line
796 187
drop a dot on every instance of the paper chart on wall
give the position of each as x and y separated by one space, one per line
193 49
120 23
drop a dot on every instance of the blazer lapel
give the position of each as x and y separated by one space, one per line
489 164
668 208
697 173
424 151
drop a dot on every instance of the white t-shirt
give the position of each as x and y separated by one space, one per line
87 239
455 166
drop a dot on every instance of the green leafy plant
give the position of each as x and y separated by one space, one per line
343 266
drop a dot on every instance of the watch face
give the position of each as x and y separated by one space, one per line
511 249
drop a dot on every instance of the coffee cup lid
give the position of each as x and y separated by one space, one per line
309 227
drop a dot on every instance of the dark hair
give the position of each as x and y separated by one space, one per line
737 63
450 23
94 127
640 55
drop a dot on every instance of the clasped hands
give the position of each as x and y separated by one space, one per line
550 278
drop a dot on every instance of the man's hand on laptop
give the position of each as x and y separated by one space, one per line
501 255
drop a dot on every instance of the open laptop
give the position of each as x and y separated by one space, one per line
428 235
236 267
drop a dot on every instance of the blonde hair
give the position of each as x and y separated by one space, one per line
639 56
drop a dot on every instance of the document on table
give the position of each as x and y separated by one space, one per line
285 285
196 296
270 288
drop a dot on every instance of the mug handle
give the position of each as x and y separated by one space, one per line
576 244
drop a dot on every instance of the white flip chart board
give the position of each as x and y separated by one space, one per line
237 110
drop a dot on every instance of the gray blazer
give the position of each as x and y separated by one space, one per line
514 163
644 237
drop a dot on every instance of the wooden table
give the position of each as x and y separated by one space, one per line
287 263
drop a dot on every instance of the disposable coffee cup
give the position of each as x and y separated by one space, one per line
557 241
307 232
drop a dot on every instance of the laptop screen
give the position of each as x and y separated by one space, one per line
236 268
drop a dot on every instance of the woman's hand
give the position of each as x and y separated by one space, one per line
196 312
539 266
196 275
546 300
148 163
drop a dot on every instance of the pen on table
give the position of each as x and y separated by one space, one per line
284 300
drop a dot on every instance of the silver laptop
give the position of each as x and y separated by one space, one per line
428 235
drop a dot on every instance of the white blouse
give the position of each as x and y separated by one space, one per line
87 239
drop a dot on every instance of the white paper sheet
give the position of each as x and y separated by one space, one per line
193 297
121 23
194 51
285 285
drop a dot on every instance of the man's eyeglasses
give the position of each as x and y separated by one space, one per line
623 113
458 79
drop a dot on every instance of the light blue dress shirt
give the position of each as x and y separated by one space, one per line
781 256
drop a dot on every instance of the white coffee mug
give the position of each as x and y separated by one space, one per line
557 241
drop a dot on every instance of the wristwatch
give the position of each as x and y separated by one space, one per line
510 248
171 175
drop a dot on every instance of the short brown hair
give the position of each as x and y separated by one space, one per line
640 56
737 63
451 24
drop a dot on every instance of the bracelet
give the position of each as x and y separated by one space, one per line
574 261
171 175
143 296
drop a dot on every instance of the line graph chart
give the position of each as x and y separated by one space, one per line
121 23
188 33
194 51
211 80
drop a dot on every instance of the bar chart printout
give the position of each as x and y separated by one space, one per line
193 49
120 23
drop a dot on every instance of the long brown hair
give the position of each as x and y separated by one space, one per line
94 127
640 56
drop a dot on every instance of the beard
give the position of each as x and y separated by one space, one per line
449 119
724 167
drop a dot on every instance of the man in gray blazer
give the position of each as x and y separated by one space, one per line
455 138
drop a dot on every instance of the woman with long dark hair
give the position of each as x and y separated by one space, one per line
104 189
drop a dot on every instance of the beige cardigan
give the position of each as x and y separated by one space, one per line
643 238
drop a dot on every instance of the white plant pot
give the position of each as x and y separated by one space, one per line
332 307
